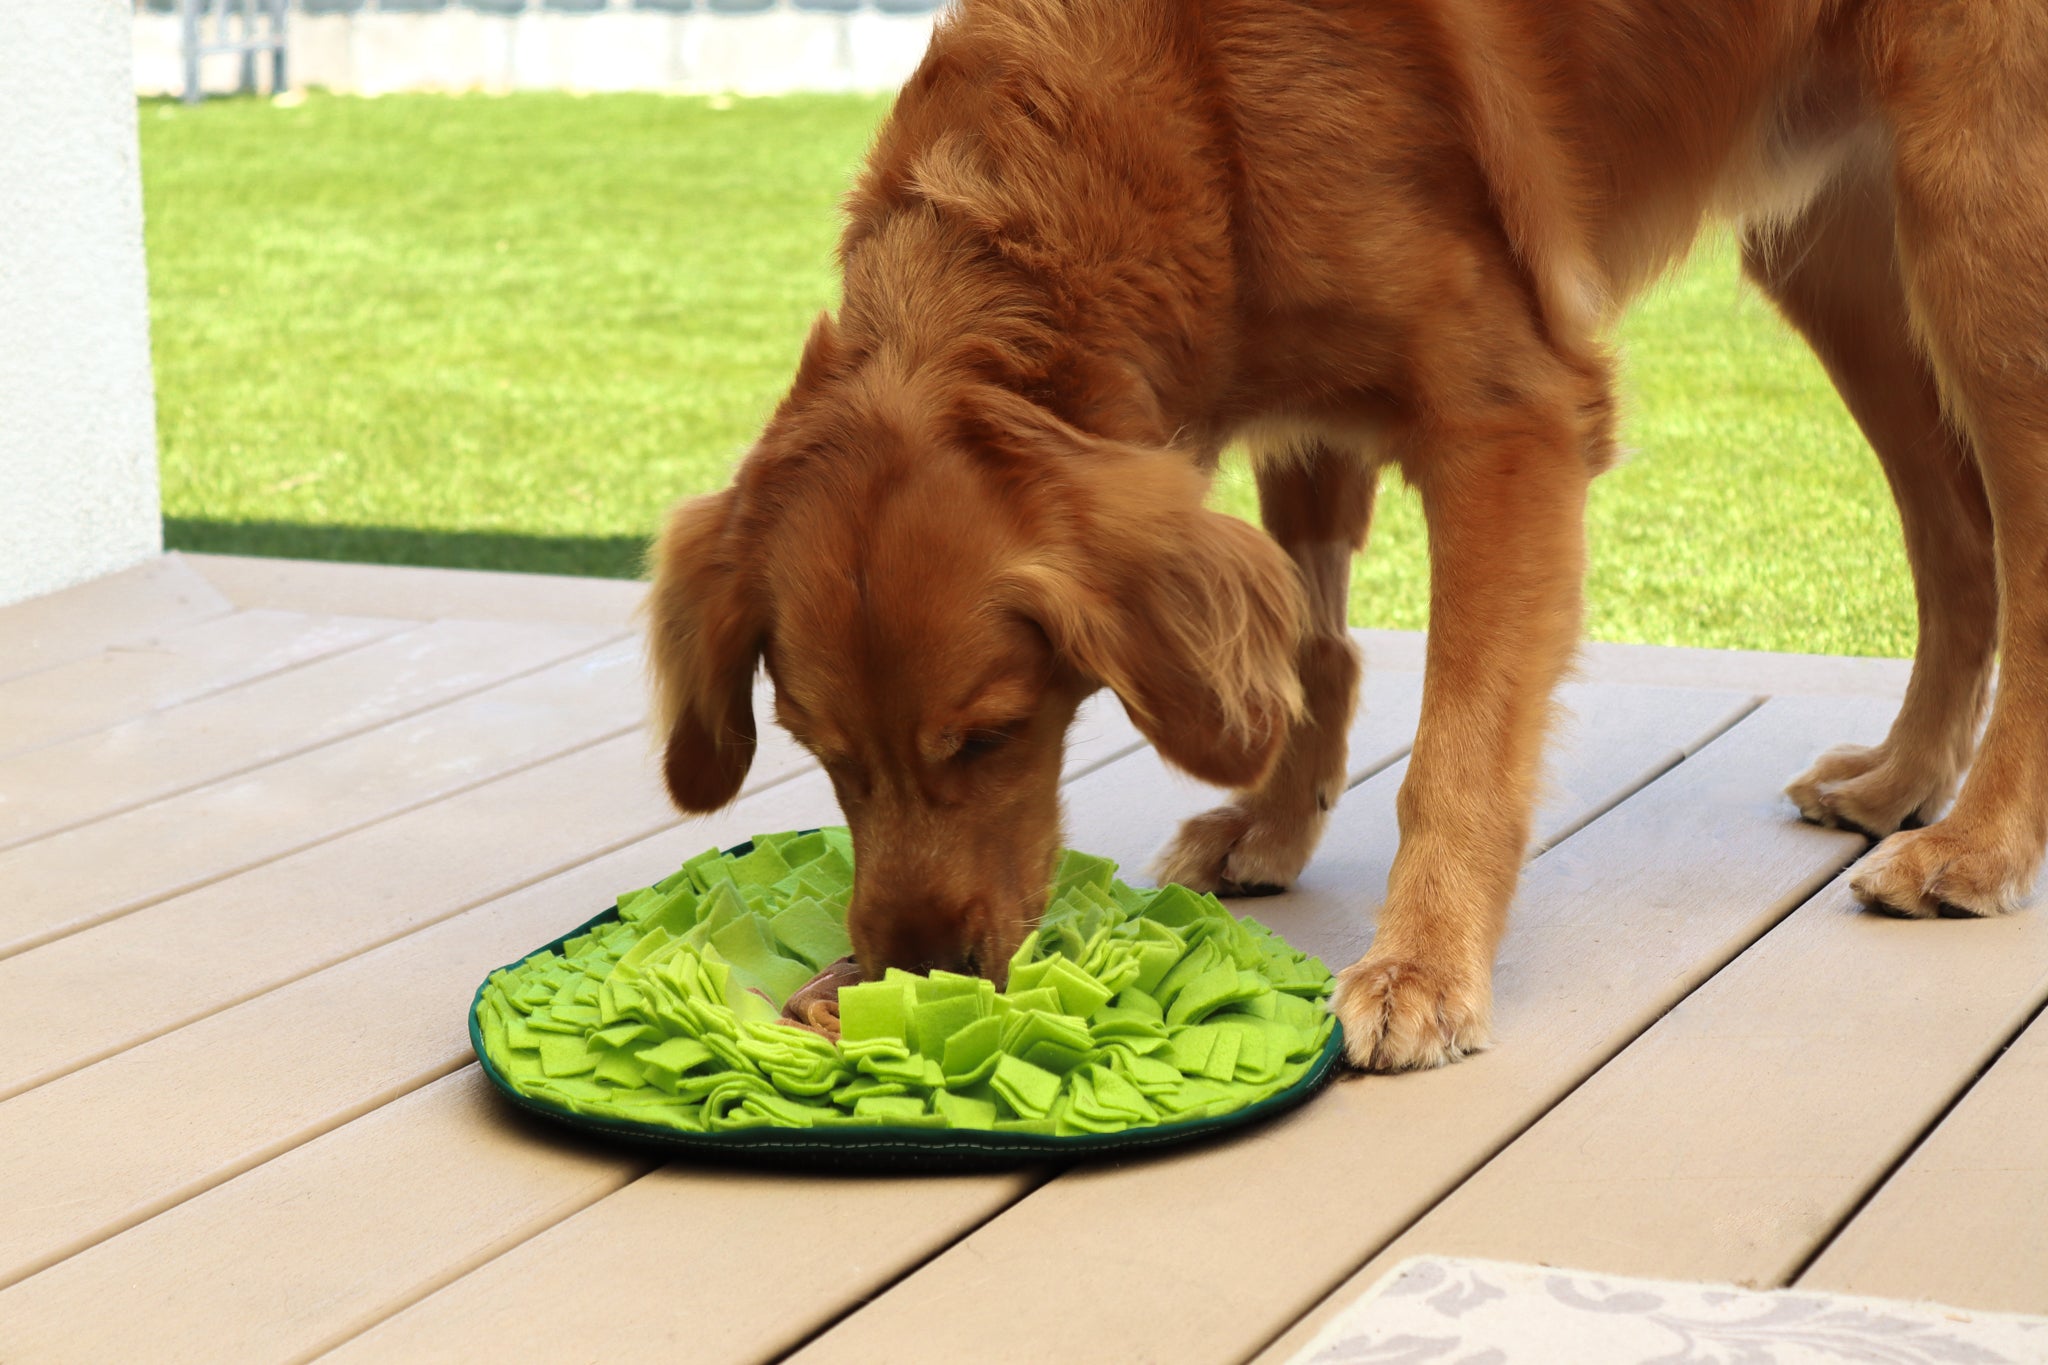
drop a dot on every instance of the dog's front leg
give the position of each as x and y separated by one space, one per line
1505 505
1316 501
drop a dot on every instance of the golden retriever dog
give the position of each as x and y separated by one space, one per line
1098 240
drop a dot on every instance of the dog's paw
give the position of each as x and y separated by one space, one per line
1234 850
1868 791
1402 1015
1920 873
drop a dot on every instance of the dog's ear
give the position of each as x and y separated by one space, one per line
1191 617
822 355
705 631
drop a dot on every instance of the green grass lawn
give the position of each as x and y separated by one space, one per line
506 333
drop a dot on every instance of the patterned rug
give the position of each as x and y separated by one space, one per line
1446 1311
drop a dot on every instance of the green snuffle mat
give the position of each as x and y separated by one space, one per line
1132 1019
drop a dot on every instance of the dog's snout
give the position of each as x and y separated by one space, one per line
919 937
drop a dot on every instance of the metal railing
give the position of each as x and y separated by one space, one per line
498 7
248 27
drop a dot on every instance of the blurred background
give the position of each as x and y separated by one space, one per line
491 283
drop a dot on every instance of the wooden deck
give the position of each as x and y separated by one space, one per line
264 825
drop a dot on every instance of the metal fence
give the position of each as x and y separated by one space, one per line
218 8
245 28
382 46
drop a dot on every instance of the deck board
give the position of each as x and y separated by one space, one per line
380 1023
212 946
1728 1141
77 623
735 1259
1132 807
255 867
151 674
261 1077
1961 1221
1741 670
166 752
239 1081
815 1277
420 594
1208 1254
407 1195
109 868
480 1311
256 1228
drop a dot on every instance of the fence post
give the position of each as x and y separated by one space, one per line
278 20
188 24
247 26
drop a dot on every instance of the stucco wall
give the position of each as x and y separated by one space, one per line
78 477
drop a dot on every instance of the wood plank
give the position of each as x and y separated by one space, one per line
857 1235
236 1084
97 872
241 1086
1728 1141
422 594
372 589
238 1089
79 622
433 1172
1960 1222
190 955
1669 666
1613 739
432 594
1581 771
1207 1254
1815 675
156 756
473 1313
738 1250
155 672
1133 807
1101 734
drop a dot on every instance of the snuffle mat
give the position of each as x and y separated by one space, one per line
1132 1018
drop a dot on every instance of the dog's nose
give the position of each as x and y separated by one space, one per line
962 963
925 943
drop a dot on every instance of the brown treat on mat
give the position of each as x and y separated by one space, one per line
815 1005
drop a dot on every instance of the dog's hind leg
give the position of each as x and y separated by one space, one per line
1316 501
1835 275
1962 89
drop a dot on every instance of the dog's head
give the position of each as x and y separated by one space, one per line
934 583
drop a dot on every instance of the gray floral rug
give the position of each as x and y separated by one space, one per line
1443 1311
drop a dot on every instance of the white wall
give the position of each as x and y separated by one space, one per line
78 476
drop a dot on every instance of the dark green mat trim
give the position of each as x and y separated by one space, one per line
886 1147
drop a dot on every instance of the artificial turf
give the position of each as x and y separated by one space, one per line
508 332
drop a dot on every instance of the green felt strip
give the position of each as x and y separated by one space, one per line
874 1009
971 1053
811 932
1027 1089
1126 1009
965 1111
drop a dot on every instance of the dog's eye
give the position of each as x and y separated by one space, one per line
980 744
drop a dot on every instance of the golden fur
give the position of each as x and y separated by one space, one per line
1098 239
